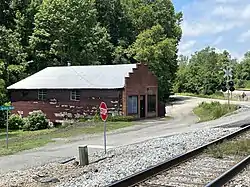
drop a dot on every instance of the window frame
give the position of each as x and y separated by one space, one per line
134 107
41 94
149 105
75 95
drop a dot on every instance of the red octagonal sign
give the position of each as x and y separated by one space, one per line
103 111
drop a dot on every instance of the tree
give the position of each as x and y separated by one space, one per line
68 31
159 52
12 54
6 14
203 73
111 15
245 67
24 18
242 72
145 14
181 74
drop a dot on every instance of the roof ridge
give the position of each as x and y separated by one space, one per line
90 65
60 77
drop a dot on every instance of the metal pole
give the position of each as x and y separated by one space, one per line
105 145
7 129
228 93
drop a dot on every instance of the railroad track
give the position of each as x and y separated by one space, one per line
170 173
198 172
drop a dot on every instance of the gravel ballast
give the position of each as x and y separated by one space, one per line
134 158
120 162
194 173
241 180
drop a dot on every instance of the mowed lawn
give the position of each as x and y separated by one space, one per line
23 140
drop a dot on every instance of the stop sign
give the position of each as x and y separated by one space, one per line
103 111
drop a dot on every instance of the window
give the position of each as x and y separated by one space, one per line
42 94
75 95
132 105
151 103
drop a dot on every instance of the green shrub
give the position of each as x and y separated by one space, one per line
121 118
36 121
97 117
213 110
218 94
239 83
247 84
16 122
82 119
111 118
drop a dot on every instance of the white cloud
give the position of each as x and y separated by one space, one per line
185 48
206 27
238 56
214 16
246 12
233 12
226 1
218 40
222 10
244 36
216 23
187 45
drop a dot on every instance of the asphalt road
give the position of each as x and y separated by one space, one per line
183 121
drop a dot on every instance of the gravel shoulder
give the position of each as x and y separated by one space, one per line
120 162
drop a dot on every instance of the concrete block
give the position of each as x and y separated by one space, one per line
83 155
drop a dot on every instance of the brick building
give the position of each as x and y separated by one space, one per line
74 91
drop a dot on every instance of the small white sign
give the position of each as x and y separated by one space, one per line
228 72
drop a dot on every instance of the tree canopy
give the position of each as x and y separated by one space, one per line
35 34
203 73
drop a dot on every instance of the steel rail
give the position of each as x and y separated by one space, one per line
230 174
154 170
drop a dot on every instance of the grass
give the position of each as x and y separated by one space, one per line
167 118
243 89
214 110
23 140
213 96
230 148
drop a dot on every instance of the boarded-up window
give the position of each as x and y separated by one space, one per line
151 103
132 104
42 94
75 95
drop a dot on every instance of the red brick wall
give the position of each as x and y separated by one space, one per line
140 82
58 105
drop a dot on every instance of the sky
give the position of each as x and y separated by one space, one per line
222 24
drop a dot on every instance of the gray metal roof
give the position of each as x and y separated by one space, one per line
76 77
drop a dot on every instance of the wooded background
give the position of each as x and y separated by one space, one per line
35 34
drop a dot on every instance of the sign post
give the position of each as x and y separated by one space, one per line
228 75
104 115
7 108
